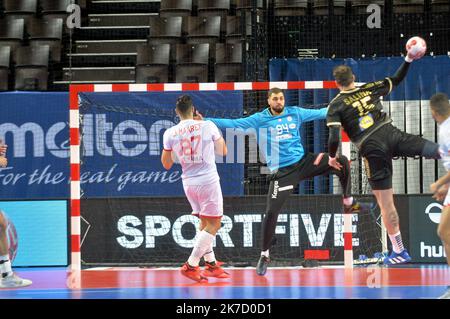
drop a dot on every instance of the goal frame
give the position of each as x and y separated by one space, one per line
74 137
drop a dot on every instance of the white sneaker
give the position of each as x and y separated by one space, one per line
14 281
446 295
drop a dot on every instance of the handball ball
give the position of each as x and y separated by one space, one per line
416 47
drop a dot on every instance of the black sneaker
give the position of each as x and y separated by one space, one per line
261 267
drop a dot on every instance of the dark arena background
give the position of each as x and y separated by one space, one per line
88 88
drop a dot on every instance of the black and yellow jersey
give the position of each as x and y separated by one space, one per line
360 111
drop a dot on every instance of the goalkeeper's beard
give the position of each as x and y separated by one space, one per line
278 109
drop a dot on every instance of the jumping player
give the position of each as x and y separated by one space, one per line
193 144
360 112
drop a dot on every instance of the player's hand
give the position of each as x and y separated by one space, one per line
197 115
441 192
332 161
3 148
434 187
413 54
3 161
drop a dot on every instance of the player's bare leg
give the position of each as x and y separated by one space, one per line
209 256
212 266
203 243
385 199
7 277
444 234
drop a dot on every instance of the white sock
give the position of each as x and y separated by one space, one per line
202 245
348 201
265 253
5 266
209 255
397 243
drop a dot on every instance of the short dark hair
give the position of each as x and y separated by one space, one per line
440 104
184 104
343 75
274 91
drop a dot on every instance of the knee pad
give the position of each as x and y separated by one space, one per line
431 150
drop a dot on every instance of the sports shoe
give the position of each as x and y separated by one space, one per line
397 259
446 295
214 271
193 273
14 281
261 267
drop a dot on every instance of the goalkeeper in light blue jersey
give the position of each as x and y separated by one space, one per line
278 133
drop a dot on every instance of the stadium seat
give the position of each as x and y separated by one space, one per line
20 9
47 32
55 9
440 6
12 33
360 6
203 30
212 8
228 67
31 70
320 7
235 28
175 8
408 6
285 8
166 30
5 58
50 7
152 63
192 62
247 5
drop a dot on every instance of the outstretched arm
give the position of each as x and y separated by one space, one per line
400 74
242 123
312 114
398 77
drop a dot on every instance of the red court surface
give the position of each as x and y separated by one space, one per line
300 283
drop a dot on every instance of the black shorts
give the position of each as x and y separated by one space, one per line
379 149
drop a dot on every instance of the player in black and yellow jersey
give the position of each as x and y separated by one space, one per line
360 112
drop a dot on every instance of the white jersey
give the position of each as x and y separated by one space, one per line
193 144
444 143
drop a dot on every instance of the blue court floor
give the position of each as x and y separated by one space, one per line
410 282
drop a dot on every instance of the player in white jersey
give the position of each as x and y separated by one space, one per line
8 279
440 110
193 144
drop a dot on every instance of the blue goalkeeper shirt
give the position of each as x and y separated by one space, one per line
278 136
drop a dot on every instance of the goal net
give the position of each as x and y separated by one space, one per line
127 210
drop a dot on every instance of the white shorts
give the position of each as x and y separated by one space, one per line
205 200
